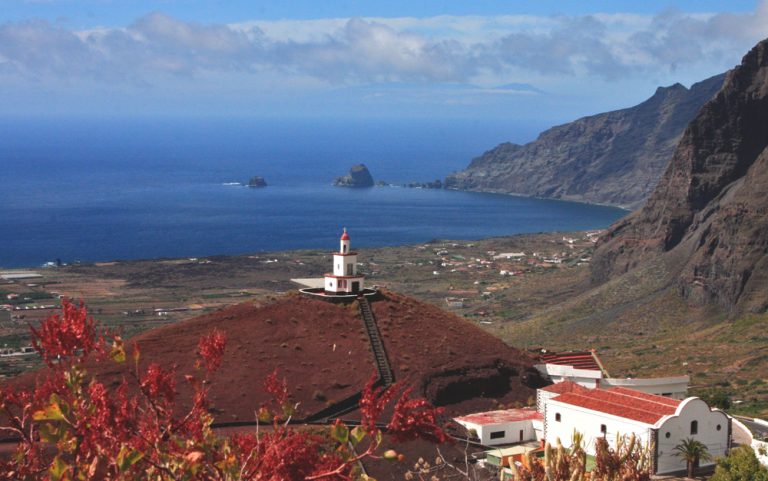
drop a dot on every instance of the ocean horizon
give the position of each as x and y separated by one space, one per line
92 191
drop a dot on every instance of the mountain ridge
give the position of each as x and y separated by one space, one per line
707 215
612 158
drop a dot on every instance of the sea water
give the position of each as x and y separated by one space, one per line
96 190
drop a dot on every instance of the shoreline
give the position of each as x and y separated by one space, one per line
296 252
527 196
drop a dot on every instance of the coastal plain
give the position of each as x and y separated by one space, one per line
532 291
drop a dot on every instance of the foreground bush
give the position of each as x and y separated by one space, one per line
628 462
72 427
740 465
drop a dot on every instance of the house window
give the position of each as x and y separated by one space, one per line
668 435
719 427
603 429
694 427
497 434
349 269
557 417
666 394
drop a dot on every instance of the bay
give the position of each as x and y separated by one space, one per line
96 190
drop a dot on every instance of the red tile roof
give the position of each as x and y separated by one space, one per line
576 359
622 402
502 416
564 387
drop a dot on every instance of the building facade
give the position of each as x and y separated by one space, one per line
344 279
657 422
506 426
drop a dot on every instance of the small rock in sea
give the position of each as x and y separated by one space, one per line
358 176
257 181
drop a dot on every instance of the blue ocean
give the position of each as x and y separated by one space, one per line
108 189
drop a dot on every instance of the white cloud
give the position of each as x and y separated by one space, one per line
489 50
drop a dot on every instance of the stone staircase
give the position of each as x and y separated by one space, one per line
377 345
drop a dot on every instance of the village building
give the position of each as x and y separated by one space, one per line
344 283
504 426
656 421
344 279
580 367
586 369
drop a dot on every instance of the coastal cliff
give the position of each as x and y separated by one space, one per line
707 219
612 158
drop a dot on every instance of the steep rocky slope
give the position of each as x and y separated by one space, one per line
612 158
707 217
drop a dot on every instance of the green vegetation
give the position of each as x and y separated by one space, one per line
692 452
717 397
740 465
751 408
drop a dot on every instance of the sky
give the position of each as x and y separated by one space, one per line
545 61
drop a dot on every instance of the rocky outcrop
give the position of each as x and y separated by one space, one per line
257 181
358 176
611 158
707 218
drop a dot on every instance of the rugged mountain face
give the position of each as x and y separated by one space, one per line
708 217
611 158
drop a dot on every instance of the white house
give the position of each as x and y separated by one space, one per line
585 369
345 278
656 421
505 426
580 367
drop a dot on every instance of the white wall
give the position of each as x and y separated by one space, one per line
675 387
558 373
587 422
679 425
341 265
511 432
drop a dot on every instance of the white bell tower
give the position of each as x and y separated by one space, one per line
344 279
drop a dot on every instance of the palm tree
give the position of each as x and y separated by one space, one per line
692 452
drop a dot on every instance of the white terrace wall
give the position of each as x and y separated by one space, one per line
675 387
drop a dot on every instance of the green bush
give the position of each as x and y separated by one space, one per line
740 465
719 398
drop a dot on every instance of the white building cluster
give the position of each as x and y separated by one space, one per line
583 400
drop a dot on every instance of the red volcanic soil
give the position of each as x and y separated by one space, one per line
323 352
450 361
